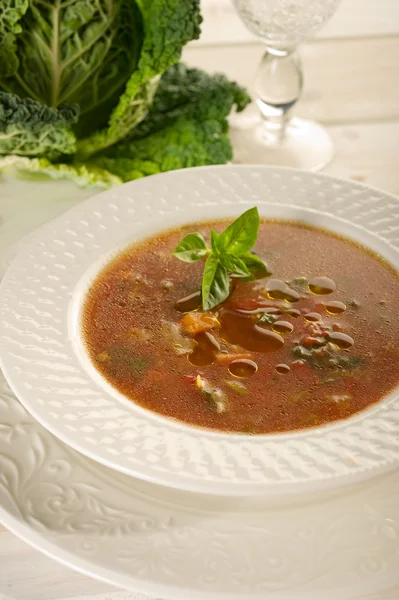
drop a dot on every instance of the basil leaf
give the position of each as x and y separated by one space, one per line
234 264
191 248
255 265
214 242
215 283
228 254
240 236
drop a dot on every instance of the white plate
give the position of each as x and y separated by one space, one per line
45 364
179 545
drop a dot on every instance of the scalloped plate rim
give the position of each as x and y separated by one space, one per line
221 486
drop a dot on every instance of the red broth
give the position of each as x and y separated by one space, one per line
315 342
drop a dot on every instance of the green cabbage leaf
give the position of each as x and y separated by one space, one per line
92 90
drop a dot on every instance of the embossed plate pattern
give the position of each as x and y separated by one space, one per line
44 363
183 546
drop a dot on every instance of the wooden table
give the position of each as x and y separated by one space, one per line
352 86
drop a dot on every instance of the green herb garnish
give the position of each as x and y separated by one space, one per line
191 248
267 318
229 254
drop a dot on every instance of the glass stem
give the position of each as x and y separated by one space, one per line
278 86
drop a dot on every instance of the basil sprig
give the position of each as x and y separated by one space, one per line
191 248
229 254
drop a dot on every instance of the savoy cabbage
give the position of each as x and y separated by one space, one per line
91 89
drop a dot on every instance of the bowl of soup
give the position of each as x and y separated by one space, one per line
288 381
306 345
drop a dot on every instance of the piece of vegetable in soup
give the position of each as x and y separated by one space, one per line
304 333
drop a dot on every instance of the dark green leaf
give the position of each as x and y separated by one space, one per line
78 52
165 27
191 248
235 265
255 265
30 128
183 144
117 61
11 13
191 94
215 283
241 235
186 126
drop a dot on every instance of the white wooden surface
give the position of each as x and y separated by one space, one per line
352 85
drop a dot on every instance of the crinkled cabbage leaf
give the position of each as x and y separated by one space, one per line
91 88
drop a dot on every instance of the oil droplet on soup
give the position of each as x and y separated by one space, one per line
240 330
335 307
322 286
312 316
189 303
279 290
200 357
282 327
292 312
283 369
204 352
342 340
243 368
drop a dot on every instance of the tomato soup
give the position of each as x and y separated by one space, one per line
315 341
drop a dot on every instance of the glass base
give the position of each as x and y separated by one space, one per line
306 144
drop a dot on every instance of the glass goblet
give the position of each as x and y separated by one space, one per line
277 138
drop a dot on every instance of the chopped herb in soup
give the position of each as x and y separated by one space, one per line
292 329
